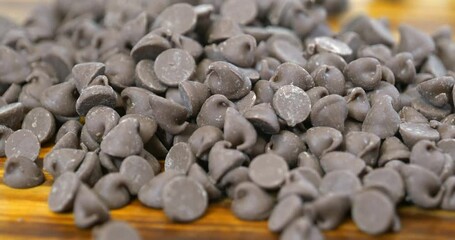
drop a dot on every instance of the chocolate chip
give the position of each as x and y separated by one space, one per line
402 66
342 161
41 122
303 188
85 73
329 77
89 210
301 228
61 160
239 50
321 140
410 115
115 230
147 125
411 133
222 159
291 74
197 173
325 58
171 18
99 121
22 143
123 140
137 172
419 44
150 193
268 170
228 80
330 111
149 47
382 119
263 117
369 203
63 192
423 187
340 182
358 104
251 202
292 104
387 179
174 66
327 44
285 51
308 160
264 91
136 100
363 145
14 67
364 72
238 130
11 115
20 172
60 99
4 134
393 149
193 94
120 70
328 211
184 199
146 78
287 210
113 190
169 115
287 145
213 111
72 126
180 158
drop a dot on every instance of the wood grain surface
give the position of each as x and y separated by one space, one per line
24 213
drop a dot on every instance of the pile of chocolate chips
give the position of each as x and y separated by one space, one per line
256 100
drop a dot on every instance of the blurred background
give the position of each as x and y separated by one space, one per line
425 14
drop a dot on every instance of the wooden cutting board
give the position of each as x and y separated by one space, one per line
24 213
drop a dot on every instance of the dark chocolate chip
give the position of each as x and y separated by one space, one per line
115 230
291 74
364 72
89 210
222 159
340 182
184 199
382 119
263 117
328 211
179 18
137 172
193 94
418 43
364 145
268 171
113 190
373 212
228 80
146 78
358 104
180 158
11 115
41 122
213 111
197 173
330 111
61 160
284 212
21 172
321 140
251 202
174 66
301 228
4 134
170 116
123 140
238 130
287 145
63 192
292 104
60 99
388 179
22 143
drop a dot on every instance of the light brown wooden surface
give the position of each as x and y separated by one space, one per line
24 213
